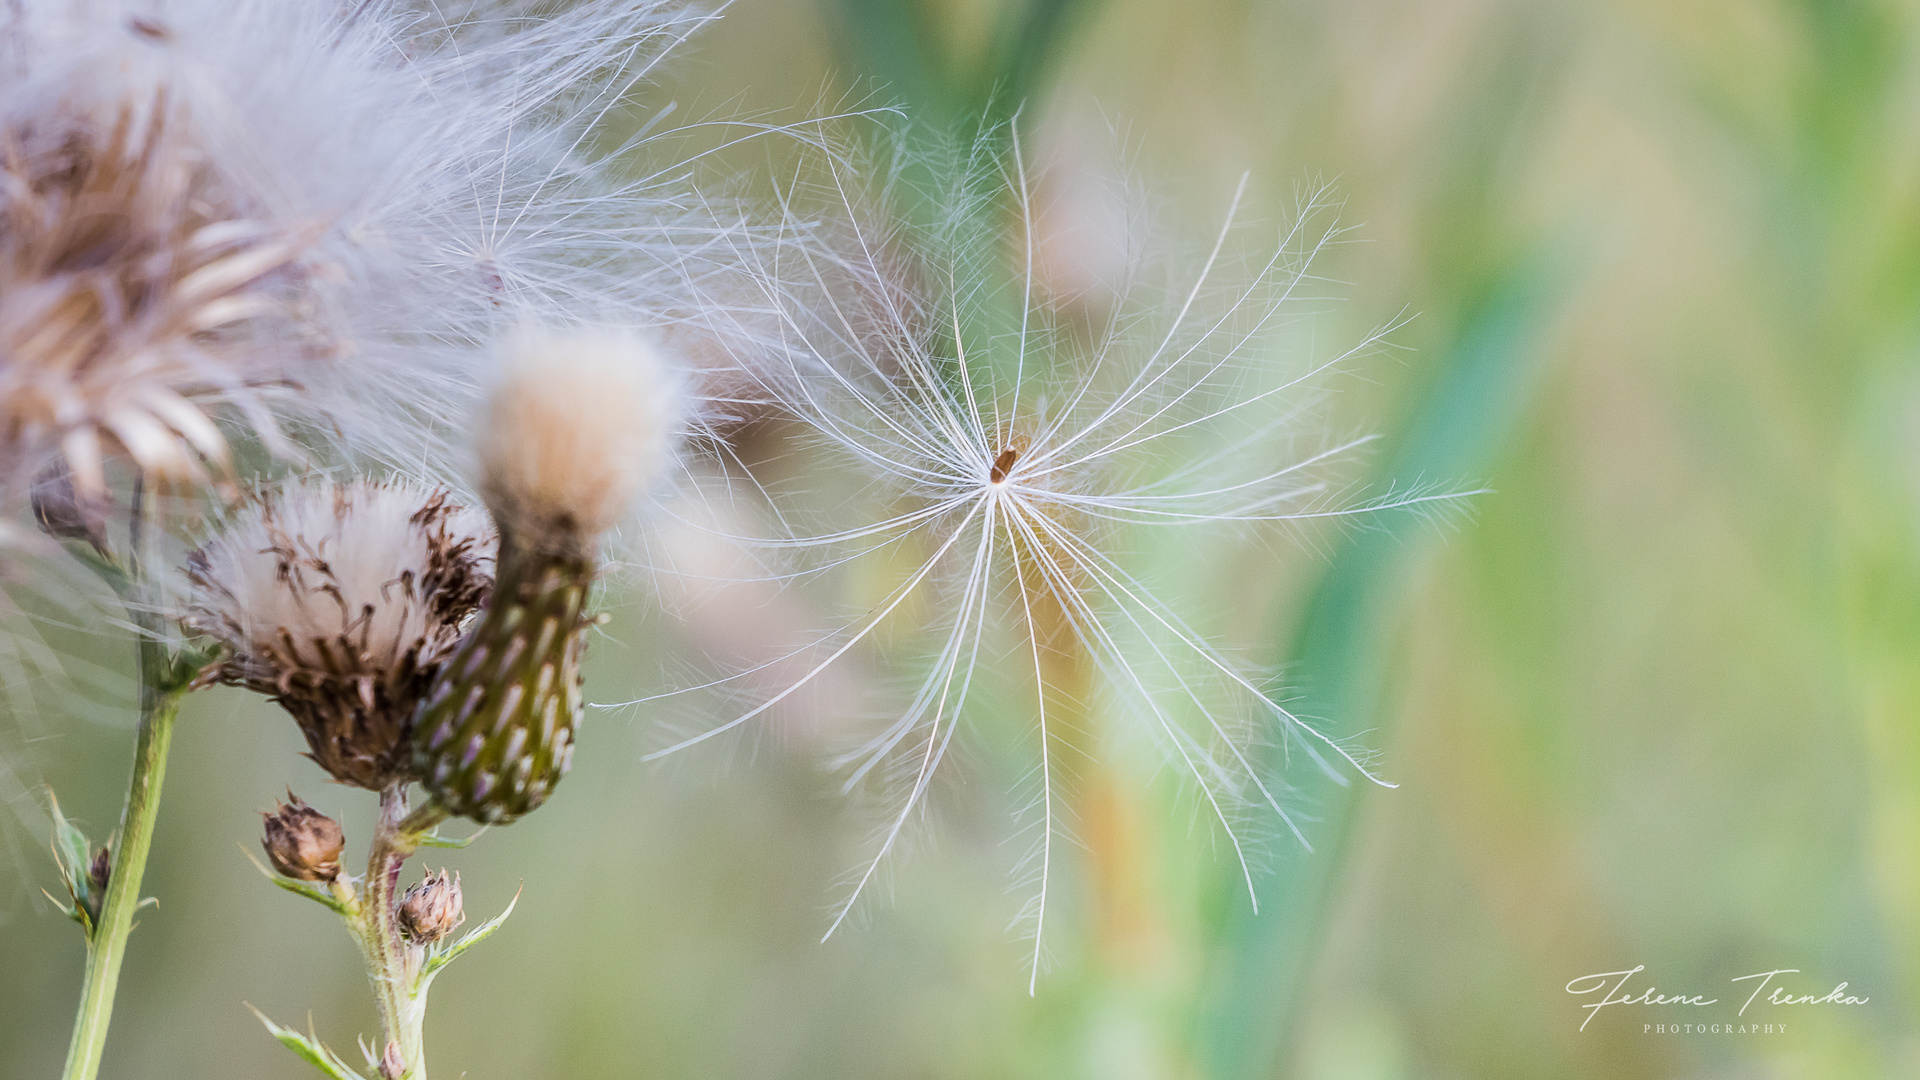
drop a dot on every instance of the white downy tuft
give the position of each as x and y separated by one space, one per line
390 567
579 425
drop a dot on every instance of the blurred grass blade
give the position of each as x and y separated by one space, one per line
1454 435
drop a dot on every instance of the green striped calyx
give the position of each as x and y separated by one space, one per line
495 733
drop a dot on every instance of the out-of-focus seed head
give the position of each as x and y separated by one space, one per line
431 909
131 278
339 600
302 842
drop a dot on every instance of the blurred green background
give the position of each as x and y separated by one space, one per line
1655 701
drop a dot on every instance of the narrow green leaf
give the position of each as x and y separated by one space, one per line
299 888
1455 433
70 846
310 1049
473 937
432 840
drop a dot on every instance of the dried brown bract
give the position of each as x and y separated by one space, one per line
431 909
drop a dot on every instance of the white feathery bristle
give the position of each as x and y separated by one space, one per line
387 568
579 425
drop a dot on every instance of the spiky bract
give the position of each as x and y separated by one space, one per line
496 734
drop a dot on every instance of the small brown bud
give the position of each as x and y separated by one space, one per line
302 842
100 870
431 909
392 1065
65 514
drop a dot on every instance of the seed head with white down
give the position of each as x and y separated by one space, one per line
579 425
339 600
178 245
1018 455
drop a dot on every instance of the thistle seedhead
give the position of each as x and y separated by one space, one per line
431 909
132 279
576 428
338 600
302 842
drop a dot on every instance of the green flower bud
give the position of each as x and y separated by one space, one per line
577 428
496 732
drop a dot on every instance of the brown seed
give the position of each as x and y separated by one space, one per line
1003 464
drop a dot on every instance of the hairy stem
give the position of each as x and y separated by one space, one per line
108 945
392 963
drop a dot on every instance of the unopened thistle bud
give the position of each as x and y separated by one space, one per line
431 909
339 600
302 842
577 426
66 514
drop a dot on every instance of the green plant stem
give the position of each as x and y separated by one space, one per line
164 681
108 945
392 963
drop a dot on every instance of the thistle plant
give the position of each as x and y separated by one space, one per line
192 270
411 641
1016 445
340 601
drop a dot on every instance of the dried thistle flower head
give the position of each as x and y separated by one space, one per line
431 909
302 842
578 424
129 275
338 600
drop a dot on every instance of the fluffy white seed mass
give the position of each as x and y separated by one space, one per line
341 577
312 211
579 425
339 601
